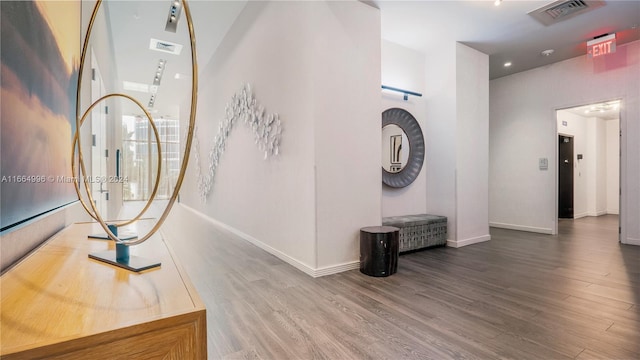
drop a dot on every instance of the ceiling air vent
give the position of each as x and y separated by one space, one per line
165 46
563 10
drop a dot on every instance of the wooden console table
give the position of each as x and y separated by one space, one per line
59 304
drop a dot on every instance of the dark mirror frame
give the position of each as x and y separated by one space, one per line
410 126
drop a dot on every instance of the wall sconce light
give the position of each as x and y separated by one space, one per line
405 93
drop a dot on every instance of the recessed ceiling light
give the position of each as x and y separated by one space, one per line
159 71
507 64
547 52
174 15
497 2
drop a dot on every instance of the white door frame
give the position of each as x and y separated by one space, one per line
622 233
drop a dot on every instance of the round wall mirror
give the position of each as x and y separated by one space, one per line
402 148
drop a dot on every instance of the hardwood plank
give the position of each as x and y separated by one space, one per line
413 329
529 349
627 294
518 296
607 353
608 311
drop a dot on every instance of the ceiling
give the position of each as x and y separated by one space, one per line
609 110
505 33
134 23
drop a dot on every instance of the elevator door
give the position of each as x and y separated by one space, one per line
565 180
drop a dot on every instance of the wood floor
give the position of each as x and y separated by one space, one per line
518 296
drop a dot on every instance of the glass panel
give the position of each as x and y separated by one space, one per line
140 157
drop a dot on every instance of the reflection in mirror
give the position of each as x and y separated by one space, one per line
133 54
402 148
395 148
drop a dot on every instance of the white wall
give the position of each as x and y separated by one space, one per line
590 153
317 65
600 140
440 134
472 146
456 94
404 68
272 200
347 128
613 166
523 129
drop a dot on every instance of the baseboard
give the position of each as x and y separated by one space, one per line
597 213
470 241
521 228
580 216
631 241
613 212
327 270
334 269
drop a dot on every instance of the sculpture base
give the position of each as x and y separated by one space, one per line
123 236
135 263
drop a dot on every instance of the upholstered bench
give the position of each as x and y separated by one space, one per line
419 231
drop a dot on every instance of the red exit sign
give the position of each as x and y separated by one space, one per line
601 46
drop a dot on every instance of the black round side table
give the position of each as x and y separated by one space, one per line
379 250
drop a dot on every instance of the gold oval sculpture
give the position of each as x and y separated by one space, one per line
159 148
93 212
